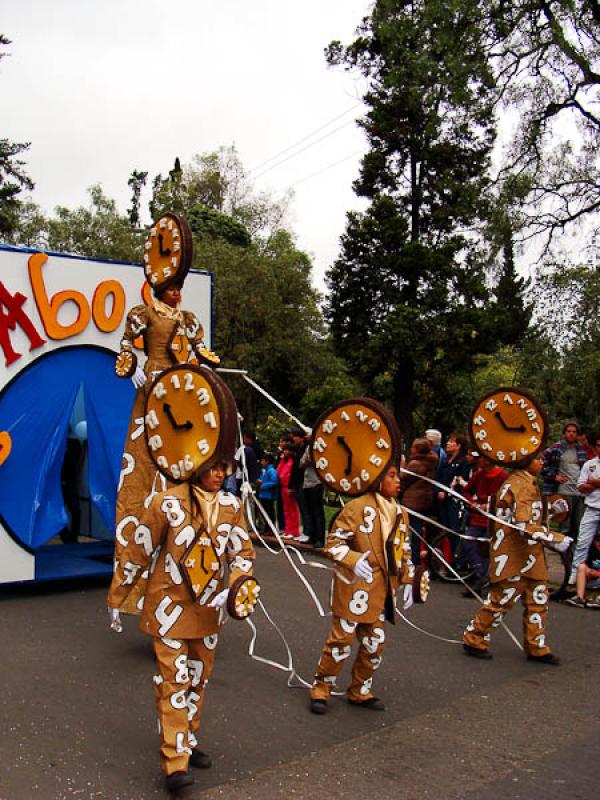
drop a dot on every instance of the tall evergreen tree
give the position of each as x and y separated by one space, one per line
407 292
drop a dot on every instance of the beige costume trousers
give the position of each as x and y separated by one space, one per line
184 667
502 597
338 648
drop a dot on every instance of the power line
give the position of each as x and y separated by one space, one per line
324 169
305 138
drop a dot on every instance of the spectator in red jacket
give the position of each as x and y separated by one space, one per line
483 484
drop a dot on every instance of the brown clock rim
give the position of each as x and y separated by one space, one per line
420 572
225 446
187 252
521 462
389 420
233 590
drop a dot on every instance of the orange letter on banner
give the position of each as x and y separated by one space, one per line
49 309
105 323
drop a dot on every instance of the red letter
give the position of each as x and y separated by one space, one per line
9 319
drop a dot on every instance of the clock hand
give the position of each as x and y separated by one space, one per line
342 441
185 426
517 429
162 252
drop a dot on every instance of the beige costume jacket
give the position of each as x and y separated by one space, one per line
365 525
512 553
154 547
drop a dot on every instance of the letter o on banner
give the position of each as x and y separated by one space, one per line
108 322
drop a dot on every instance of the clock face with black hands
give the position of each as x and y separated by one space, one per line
188 418
168 251
508 426
353 444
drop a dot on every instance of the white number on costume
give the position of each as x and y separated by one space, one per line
369 514
159 390
237 537
479 420
185 536
481 435
345 484
541 640
347 626
534 441
539 595
152 419
366 687
154 561
211 641
210 419
175 382
536 619
366 476
521 403
374 424
491 405
513 455
508 399
531 415
130 520
131 570
139 431
177 699
500 455
499 538
536 427
372 643
180 745
172 508
339 551
203 446
163 462
172 569
192 708
507 594
126 469
345 416
359 603
181 664
357 482
361 415
329 477
322 463
320 445
375 460
329 426
196 670
155 442
188 382
167 619
203 396
500 563
486 446
382 444
531 561
143 536
340 653
210 589
223 531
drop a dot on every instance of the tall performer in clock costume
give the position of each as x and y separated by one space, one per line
509 427
191 551
355 450
169 336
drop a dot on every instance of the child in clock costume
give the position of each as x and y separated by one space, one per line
191 549
514 428
170 336
369 542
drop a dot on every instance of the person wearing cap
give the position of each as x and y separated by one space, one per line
518 567
360 544
184 628
588 484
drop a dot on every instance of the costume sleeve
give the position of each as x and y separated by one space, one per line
407 569
194 331
135 325
528 517
140 545
341 535
239 551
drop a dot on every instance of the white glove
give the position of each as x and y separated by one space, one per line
562 547
408 597
138 378
115 620
219 600
559 506
362 568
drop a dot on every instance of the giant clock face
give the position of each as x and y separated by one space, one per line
353 444
168 251
508 426
188 419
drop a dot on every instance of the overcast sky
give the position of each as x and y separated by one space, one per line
100 87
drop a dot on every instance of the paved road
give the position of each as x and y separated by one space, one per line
78 715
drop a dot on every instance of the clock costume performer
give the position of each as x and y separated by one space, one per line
191 549
355 451
509 427
169 336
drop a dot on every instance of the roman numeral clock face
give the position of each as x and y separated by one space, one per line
353 444
168 251
183 421
508 426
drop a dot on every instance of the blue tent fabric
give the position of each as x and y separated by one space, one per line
36 408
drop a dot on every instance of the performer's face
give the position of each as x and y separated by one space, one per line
212 479
390 485
534 467
172 296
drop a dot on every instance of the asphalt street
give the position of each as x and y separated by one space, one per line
78 717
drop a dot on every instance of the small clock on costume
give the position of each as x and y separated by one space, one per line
243 597
353 444
188 416
508 426
168 251
125 364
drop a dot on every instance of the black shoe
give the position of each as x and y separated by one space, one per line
178 781
200 760
374 703
475 652
319 706
549 658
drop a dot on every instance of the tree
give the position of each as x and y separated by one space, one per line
13 179
545 57
137 181
407 292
